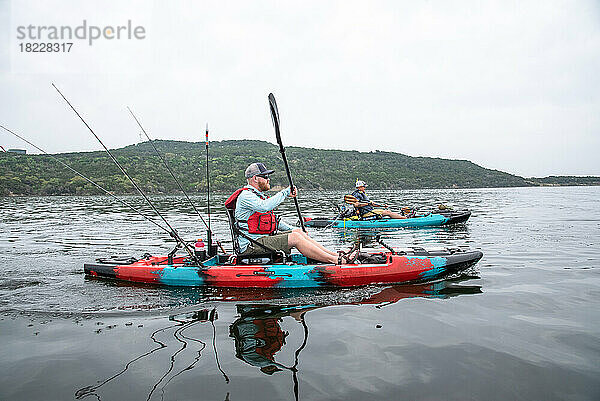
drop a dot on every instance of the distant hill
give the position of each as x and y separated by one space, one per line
311 168
565 180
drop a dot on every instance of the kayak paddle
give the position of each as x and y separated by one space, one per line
275 118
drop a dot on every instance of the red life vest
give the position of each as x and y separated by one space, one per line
258 223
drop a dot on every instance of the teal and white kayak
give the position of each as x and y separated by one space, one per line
432 219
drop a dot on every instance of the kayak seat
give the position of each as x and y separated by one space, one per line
352 212
272 255
349 210
232 230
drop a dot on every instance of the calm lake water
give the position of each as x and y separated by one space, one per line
524 324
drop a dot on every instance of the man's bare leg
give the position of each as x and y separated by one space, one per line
392 215
315 242
309 249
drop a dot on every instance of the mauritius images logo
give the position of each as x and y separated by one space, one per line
84 32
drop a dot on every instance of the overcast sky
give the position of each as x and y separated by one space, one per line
508 85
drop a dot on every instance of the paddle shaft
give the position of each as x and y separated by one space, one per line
287 170
275 117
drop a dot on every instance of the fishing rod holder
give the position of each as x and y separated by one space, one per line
181 244
172 253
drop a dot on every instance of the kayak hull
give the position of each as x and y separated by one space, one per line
406 267
433 219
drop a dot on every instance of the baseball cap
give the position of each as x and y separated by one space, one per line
256 169
360 183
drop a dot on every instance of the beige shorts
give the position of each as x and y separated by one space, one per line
374 212
279 242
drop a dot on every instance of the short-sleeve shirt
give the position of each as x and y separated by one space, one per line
249 202
362 198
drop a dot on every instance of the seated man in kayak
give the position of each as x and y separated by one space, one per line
366 207
253 212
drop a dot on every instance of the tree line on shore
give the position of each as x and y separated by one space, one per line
312 169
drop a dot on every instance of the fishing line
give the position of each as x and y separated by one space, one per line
166 165
173 232
87 179
173 175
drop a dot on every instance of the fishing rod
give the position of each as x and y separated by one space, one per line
209 232
275 118
173 232
177 181
207 180
87 179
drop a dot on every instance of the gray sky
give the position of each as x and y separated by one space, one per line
508 85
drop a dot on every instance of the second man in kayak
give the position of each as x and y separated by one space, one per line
366 207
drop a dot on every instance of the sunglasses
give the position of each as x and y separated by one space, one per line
265 176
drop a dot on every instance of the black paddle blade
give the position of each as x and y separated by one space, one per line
275 118
274 115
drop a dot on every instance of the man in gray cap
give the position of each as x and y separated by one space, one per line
255 217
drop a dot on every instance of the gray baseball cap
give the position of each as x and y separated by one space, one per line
256 169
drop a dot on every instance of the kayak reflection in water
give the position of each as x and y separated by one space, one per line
258 334
366 207
184 341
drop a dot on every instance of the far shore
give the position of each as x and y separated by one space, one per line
279 188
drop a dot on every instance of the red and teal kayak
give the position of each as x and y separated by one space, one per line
412 266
